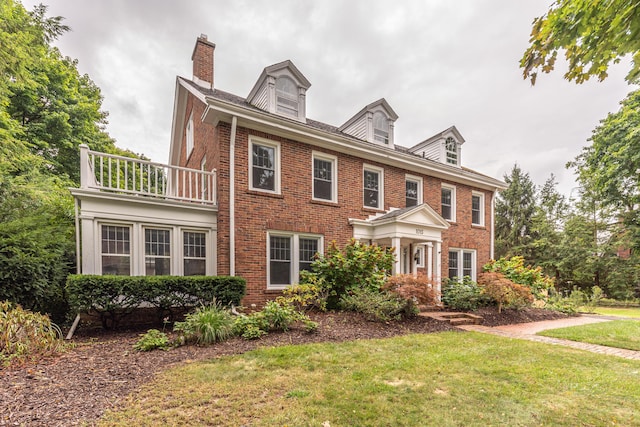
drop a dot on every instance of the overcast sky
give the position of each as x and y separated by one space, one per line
437 63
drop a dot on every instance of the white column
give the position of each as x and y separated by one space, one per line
438 278
430 260
395 242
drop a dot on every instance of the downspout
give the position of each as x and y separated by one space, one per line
232 197
493 222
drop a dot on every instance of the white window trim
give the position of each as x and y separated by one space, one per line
481 195
207 248
295 254
474 262
453 201
456 152
334 183
421 256
380 172
417 179
143 253
189 135
269 143
98 243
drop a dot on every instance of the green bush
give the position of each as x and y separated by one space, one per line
375 305
275 316
357 265
206 325
152 340
610 302
311 293
515 270
463 295
114 297
25 334
250 327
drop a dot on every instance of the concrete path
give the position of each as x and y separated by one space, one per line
527 331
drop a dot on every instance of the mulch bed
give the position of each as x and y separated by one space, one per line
102 369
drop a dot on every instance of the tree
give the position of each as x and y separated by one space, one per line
514 212
593 33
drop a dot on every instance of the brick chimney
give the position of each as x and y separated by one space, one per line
202 58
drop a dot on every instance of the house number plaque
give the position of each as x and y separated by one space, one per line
419 231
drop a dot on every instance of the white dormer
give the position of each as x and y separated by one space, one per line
374 123
444 147
281 89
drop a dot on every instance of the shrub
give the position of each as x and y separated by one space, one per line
275 316
610 302
462 295
355 266
311 293
250 327
114 297
379 306
206 325
503 291
514 270
419 289
153 339
25 334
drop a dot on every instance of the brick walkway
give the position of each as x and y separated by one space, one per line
526 331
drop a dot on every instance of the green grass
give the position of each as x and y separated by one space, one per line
617 333
446 379
618 311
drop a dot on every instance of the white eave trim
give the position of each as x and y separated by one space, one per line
220 110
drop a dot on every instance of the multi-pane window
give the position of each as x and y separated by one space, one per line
307 251
280 260
451 151
116 250
157 252
476 209
324 178
411 192
195 253
447 201
263 167
380 127
286 96
462 263
288 255
372 183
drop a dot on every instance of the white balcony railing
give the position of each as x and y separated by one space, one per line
125 175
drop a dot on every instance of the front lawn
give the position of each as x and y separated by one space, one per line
617 333
618 311
446 379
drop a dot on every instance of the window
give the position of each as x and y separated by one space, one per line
413 191
380 127
195 253
286 96
189 135
289 254
477 209
451 151
265 167
448 203
324 177
157 252
116 250
419 255
373 183
462 263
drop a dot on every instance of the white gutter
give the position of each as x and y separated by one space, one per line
232 198
493 223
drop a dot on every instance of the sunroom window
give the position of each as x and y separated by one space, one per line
195 253
286 96
380 128
157 252
116 250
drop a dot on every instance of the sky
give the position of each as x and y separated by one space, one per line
438 63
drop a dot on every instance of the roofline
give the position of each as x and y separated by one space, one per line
438 135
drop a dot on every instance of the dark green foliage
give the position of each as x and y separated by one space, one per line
114 297
275 316
311 293
153 339
206 325
376 305
463 295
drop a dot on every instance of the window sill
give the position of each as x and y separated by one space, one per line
324 203
478 226
368 208
265 193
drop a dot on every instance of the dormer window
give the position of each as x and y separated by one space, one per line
380 128
286 96
451 151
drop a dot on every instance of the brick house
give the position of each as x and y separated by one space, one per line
255 188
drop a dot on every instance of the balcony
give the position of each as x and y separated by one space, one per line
124 175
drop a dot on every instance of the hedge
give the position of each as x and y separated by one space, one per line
114 297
